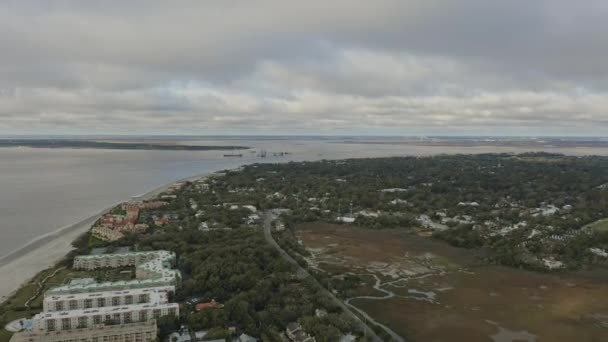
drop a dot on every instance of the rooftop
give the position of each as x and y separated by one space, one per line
156 294
154 272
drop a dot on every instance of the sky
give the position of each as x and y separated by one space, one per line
394 67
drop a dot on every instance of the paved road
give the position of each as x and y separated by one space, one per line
303 273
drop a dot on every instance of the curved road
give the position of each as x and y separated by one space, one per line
303 273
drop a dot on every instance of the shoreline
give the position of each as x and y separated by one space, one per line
21 265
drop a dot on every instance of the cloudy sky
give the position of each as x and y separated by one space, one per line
517 67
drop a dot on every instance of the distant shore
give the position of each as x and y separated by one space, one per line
21 265
65 143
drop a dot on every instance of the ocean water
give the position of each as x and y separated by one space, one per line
43 190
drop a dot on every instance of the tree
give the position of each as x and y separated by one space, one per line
167 325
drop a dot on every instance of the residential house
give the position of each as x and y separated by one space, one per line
295 333
245 338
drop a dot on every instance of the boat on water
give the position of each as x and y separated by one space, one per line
233 155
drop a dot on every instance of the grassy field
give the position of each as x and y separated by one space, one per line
443 293
14 307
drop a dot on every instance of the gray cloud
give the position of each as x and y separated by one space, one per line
275 66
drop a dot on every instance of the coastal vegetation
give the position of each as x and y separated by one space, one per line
538 211
533 210
426 290
227 261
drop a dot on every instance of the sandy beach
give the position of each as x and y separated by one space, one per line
18 267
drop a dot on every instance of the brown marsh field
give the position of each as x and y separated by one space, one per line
426 290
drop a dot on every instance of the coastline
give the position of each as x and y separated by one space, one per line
21 265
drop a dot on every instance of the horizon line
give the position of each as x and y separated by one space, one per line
40 135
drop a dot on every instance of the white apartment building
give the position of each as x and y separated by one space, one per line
121 311
102 316
134 332
91 300
96 261
152 269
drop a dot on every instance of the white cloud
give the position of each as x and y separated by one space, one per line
275 66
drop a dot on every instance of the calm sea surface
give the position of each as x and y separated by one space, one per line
42 190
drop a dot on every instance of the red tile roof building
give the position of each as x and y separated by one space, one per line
111 227
207 305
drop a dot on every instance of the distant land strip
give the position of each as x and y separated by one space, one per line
55 143
472 143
